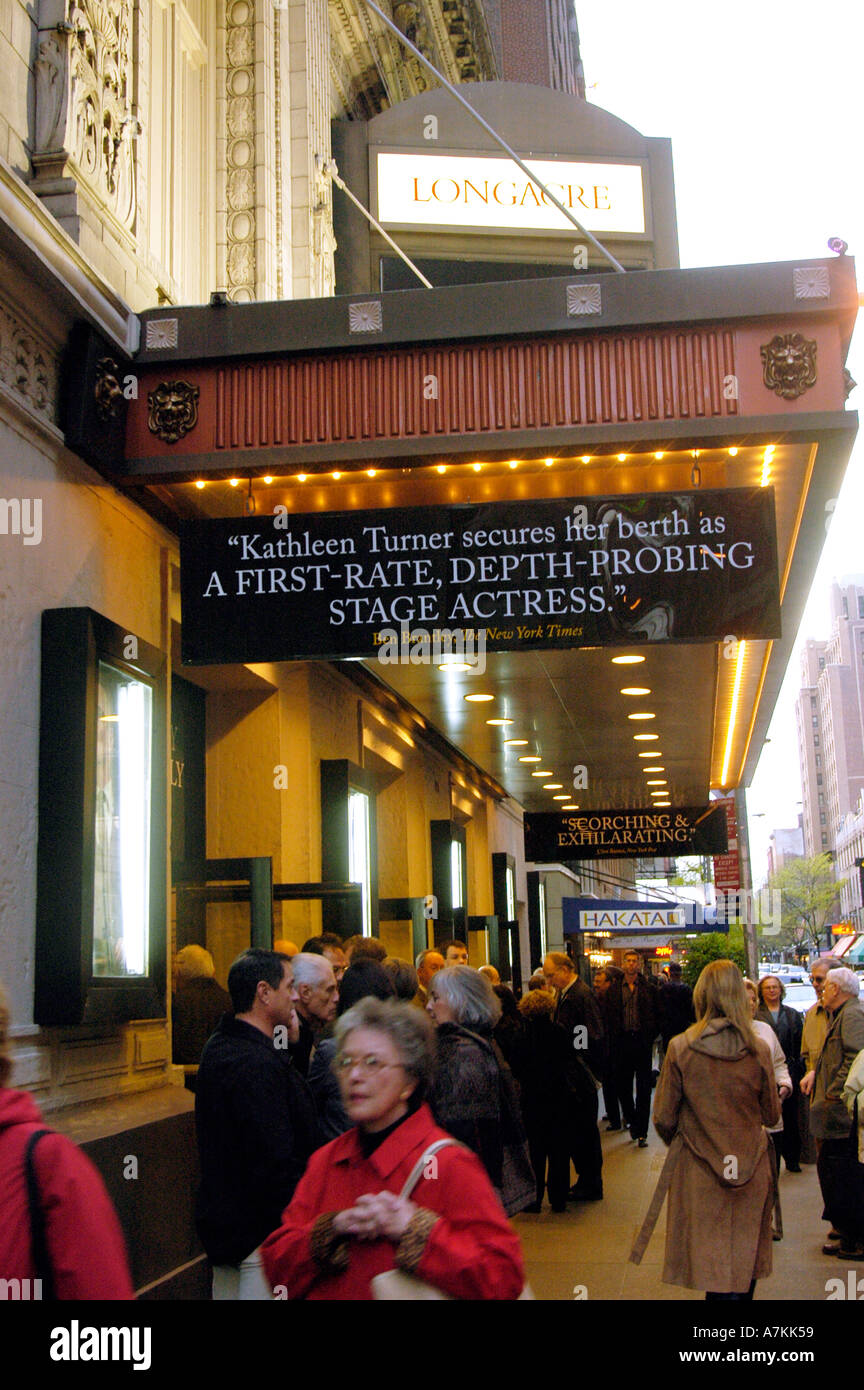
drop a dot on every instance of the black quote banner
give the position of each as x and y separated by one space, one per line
597 571
553 836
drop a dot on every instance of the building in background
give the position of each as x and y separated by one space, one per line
829 711
783 846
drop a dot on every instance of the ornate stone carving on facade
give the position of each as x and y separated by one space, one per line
83 120
28 366
240 122
108 393
172 410
789 365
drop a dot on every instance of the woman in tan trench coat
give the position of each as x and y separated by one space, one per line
715 1093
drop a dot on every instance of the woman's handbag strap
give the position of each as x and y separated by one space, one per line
414 1176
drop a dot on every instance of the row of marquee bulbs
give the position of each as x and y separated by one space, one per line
659 785
513 464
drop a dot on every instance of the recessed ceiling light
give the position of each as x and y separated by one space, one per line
455 665
235 482
653 769
269 478
476 467
662 803
586 458
441 468
573 806
337 476
538 773
658 782
622 458
553 787
645 736
634 690
301 477
548 462
370 472
514 463
626 660
499 721
199 484
560 798
479 699
643 714
659 455
516 743
529 758
654 753
733 453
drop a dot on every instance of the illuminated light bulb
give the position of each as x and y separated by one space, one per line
657 782
560 798
553 787
516 742
642 715
441 468
634 690
626 660
479 699
662 803
622 458
573 806
586 458
541 773
530 758
733 453
653 769
513 464
268 480
643 737
337 476
455 666
655 753
548 462
235 482
499 721
200 484
301 477
659 456
370 472
476 467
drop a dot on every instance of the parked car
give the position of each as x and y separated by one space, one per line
800 994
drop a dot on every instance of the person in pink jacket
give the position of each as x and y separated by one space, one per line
86 1253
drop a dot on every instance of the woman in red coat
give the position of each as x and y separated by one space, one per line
348 1221
84 1249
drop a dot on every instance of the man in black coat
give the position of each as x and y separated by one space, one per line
256 1123
577 1013
632 1018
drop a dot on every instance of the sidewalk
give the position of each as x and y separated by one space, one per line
590 1245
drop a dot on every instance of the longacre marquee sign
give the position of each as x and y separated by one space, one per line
562 573
556 836
449 190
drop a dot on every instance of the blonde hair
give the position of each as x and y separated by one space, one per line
5 1051
537 1003
720 993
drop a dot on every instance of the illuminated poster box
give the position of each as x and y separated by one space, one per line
476 191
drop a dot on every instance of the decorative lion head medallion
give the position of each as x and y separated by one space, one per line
173 410
108 393
789 365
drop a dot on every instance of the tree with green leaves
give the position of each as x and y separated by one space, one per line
809 902
714 945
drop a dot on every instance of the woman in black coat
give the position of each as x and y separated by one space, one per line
545 1072
474 1096
788 1025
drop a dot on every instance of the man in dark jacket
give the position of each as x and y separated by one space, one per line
632 1018
577 1013
831 1122
256 1123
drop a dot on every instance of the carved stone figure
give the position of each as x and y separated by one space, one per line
173 410
107 392
789 365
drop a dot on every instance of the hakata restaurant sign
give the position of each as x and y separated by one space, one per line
668 567
555 836
451 190
610 915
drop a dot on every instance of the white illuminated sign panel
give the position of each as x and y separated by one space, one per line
447 190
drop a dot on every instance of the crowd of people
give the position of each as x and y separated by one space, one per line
367 1127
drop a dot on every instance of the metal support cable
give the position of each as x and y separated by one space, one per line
330 169
616 265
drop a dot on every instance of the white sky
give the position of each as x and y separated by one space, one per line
762 101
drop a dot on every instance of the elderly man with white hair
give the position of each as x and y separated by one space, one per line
317 998
830 1120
